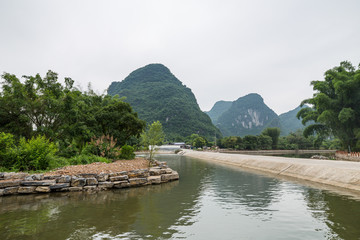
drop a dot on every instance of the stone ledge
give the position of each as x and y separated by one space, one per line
23 183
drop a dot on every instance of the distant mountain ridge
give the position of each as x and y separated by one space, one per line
156 94
249 115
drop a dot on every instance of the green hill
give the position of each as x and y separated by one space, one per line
218 109
248 115
289 122
156 94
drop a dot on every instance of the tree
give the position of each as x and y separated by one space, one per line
152 137
42 106
274 133
199 142
335 106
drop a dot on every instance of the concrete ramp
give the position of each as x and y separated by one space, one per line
343 174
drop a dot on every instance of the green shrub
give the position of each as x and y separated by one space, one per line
34 154
105 146
58 162
7 145
127 152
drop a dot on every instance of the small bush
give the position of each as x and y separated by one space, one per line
7 145
58 162
105 146
127 152
34 154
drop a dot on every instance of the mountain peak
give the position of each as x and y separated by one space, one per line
252 97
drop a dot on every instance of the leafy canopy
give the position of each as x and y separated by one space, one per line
335 106
152 137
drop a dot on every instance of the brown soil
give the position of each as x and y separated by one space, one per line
118 166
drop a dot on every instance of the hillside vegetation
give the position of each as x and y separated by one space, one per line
157 95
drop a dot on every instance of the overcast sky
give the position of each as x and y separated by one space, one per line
221 49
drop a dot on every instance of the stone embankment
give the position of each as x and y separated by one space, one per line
342 174
23 183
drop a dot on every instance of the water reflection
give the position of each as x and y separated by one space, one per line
340 213
209 202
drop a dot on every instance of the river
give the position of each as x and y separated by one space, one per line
210 201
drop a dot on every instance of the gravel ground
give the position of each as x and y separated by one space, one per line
118 166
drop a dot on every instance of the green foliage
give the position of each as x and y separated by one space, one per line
42 106
218 109
248 115
274 134
33 154
105 146
127 152
157 95
152 137
199 142
335 106
7 144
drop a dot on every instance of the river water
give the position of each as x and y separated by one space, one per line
208 202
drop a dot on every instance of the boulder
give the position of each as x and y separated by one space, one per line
43 189
105 184
87 175
59 185
170 177
119 178
154 171
154 179
75 189
78 182
26 189
50 177
38 183
91 181
35 177
102 177
9 183
90 188
121 184
63 179
10 190
137 181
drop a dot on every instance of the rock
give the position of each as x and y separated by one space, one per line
87 175
154 171
12 175
2 175
1 192
154 179
102 177
26 189
91 181
90 188
142 173
63 179
105 184
169 177
10 190
52 177
43 189
319 157
119 178
10 183
137 181
78 182
168 171
121 184
35 177
75 189
59 185
38 183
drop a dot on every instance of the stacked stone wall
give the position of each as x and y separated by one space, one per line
23 183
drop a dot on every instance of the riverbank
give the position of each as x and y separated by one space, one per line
342 174
90 178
